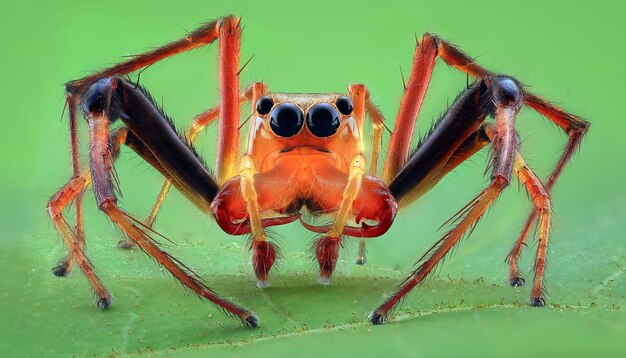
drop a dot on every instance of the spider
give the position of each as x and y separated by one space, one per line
304 155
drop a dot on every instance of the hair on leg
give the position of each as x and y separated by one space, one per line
504 93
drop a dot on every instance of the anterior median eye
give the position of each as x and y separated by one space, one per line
323 120
264 105
286 119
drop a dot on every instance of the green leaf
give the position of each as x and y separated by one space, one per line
153 315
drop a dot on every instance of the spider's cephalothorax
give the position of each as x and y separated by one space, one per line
304 154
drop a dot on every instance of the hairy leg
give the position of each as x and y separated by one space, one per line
75 249
400 141
574 126
199 123
436 150
65 266
537 192
228 31
541 198
457 125
73 192
428 48
154 139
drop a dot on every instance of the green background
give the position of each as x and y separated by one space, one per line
569 52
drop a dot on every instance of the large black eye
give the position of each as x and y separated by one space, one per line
344 105
323 120
264 105
286 119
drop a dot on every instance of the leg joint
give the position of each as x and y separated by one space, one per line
59 200
108 205
506 91
97 98
543 202
53 210
578 128
499 181
229 24
357 89
430 38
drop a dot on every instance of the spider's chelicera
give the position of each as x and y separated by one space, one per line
304 153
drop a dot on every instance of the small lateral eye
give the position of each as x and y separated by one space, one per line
264 105
344 105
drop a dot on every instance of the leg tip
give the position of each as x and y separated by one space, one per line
264 255
377 318
323 280
125 244
60 270
263 283
250 320
103 302
360 260
516 281
538 302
